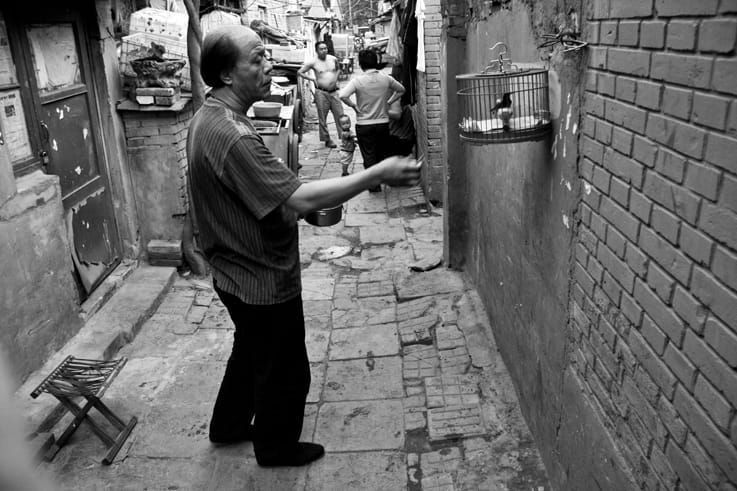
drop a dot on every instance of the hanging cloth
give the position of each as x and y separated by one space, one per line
420 15
394 48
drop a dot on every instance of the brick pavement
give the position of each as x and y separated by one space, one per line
398 397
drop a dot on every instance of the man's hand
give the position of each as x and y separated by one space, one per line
400 171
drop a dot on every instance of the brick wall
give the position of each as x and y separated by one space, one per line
430 139
654 292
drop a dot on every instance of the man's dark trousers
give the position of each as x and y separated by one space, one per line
268 374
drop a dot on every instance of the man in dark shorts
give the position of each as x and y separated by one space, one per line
246 202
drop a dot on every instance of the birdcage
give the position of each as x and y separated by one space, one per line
137 45
504 103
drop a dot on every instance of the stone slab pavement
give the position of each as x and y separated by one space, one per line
408 388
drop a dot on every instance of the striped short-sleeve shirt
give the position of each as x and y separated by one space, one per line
237 190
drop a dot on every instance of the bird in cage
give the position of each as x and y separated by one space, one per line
503 110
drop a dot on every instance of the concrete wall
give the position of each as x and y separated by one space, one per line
39 304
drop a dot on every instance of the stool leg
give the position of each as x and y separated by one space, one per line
122 437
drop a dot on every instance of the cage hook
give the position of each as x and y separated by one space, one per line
499 64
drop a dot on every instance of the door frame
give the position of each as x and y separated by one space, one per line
83 16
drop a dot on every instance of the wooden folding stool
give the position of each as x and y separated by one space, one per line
78 377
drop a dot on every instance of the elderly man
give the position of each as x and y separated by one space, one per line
325 76
247 202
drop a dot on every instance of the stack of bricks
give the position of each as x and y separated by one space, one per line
654 295
158 96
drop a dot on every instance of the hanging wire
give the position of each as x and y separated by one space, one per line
566 38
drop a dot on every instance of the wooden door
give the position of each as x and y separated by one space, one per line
62 87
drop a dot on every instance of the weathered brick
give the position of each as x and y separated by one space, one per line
675 8
594 104
645 151
711 366
630 61
648 94
629 32
715 295
640 206
595 269
608 32
683 137
682 35
591 83
721 449
603 132
660 282
619 191
652 363
690 478
666 224
662 467
606 83
710 110
688 70
681 366
717 35
667 256
636 260
663 315
670 419
721 151
720 223
654 336
626 89
630 309
598 226
725 73
584 280
674 198
611 288
721 339
586 169
592 149
725 266
677 102
703 462
631 8
620 218
728 7
616 267
670 165
598 57
711 400
689 309
624 167
728 197
703 180
697 245
652 34
622 141
591 32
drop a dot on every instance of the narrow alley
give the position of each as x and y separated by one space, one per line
408 392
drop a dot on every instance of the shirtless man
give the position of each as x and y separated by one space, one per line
325 76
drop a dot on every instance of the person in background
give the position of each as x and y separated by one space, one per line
374 92
325 71
347 144
401 129
246 203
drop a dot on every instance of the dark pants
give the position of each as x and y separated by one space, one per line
268 374
374 141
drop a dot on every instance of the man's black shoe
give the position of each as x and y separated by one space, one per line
376 189
302 454
245 435
330 144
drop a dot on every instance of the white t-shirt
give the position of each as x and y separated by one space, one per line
373 89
